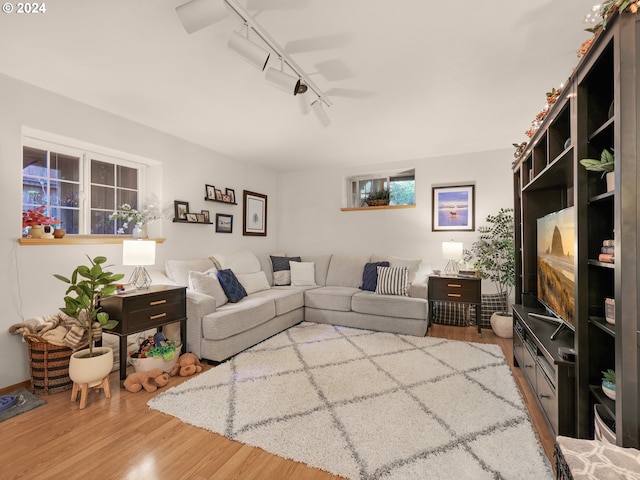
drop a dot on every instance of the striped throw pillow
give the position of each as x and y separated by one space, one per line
393 281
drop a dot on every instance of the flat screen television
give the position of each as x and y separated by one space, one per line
556 267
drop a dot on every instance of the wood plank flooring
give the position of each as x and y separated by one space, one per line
121 438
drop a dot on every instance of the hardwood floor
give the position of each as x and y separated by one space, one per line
121 438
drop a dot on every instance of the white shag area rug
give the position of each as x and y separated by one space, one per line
369 405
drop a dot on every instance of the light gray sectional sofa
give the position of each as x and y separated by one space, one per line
330 293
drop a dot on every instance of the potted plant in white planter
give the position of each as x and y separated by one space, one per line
609 383
88 284
605 165
494 259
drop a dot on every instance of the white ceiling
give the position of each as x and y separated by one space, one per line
408 78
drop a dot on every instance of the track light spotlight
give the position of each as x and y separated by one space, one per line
303 103
321 115
198 14
284 81
252 53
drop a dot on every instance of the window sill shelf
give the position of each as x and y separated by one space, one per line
80 240
385 207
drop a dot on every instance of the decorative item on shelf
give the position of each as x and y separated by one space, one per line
231 193
607 251
494 259
35 218
606 165
47 231
610 310
520 148
180 210
378 198
59 233
138 218
89 368
609 383
210 191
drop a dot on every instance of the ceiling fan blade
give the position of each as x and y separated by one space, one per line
334 70
324 42
349 93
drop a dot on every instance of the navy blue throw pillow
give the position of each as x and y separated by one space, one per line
370 275
232 287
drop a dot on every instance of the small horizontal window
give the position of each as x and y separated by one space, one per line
391 189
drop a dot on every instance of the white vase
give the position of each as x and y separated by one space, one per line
611 181
502 324
91 370
139 230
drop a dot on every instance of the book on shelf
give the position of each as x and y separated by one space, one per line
608 243
606 258
609 250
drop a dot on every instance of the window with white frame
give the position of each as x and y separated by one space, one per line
79 188
401 187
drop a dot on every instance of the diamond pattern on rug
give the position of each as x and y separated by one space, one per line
369 405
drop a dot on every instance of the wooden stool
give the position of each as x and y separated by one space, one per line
84 388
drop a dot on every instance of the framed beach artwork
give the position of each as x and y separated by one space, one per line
453 208
254 215
224 223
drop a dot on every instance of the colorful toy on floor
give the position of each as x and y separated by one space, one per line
150 381
188 364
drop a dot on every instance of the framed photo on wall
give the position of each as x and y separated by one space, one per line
206 215
192 217
254 214
218 195
211 192
224 223
453 208
180 209
232 194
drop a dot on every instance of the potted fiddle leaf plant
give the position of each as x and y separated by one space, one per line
87 285
606 165
493 257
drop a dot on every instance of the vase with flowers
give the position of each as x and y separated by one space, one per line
34 219
138 218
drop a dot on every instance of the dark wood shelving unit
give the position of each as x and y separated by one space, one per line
597 109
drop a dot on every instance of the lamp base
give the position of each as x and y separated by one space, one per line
452 268
140 278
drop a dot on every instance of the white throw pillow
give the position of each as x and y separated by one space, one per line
254 282
303 274
208 284
392 281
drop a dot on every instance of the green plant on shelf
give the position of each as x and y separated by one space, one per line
605 165
609 376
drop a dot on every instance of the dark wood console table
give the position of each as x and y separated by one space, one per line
456 289
141 310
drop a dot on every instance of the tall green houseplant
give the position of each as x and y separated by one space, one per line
494 253
89 284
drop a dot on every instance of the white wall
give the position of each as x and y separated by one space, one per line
311 220
27 287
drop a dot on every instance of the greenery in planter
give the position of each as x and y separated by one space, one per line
89 284
378 196
609 376
494 254
605 164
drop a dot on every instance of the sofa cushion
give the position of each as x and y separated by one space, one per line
392 281
321 266
303 274
232 287
281 269
178 270
208 283
413 264
330 298
370 275
287 299
239 262
254 282
390 305
235 318
346 271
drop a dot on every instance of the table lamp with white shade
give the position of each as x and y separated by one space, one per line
139 253
453 252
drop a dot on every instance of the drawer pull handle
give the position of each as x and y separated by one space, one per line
155 317
454 285
545 396
158 302
457 295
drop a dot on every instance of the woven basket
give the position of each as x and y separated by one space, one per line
49 366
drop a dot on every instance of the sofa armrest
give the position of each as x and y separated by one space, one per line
198 305
418 288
